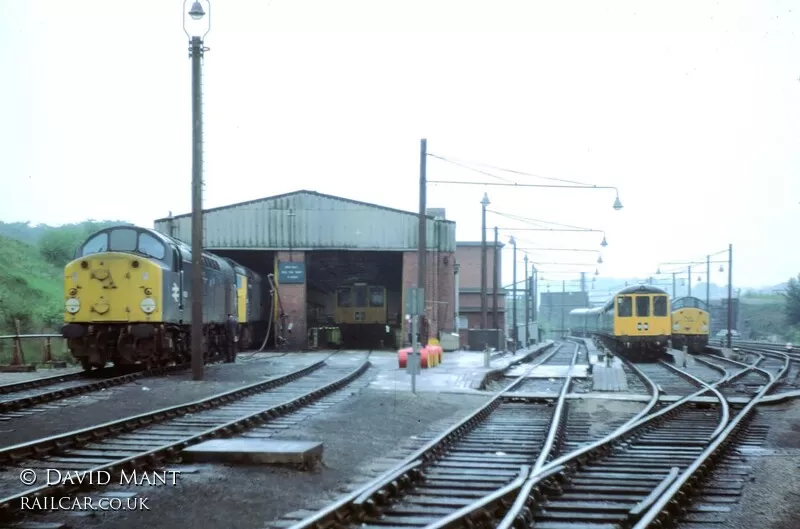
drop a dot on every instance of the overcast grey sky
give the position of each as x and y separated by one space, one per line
690 108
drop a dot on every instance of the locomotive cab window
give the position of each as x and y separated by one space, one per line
376 297
625 306
660 306
343 297
122 240
151 247
97 244
643 306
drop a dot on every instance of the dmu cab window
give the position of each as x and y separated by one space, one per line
361 295
660 306
625 307
642 306
376 297
343 298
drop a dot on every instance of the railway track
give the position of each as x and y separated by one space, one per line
626 479
23 395
147 440
503 441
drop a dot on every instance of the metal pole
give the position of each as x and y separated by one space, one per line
535 288
563 302
690 280
495 280
527 304
415 351
708 282
673 285
730 292
422 244
484 301
456 305
196 51
291 234
514 293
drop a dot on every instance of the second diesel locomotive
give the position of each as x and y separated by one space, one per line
127 300
690 324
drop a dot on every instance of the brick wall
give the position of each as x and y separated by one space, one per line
439 288
293 298
469 259
468 256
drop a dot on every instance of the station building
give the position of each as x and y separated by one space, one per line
329 252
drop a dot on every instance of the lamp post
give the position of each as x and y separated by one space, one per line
495 278
196 30
730 292
484 304
514 292
527 304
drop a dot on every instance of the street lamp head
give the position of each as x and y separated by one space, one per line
699 279
198 21
617 204
658 270
197 12
512 241
485 201
599 259
605 242
721 269
596 272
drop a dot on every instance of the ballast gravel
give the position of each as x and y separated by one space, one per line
358 426
144 395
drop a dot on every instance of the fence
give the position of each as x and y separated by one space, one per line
45 344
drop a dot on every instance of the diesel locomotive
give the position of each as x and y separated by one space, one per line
127 300
690 324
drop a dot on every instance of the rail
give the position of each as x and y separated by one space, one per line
531 489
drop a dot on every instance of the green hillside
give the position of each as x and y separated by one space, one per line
31 289
32 260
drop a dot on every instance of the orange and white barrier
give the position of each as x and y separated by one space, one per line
430 356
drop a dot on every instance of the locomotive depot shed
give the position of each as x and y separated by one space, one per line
317 244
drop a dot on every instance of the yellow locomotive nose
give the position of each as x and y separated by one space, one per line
112 287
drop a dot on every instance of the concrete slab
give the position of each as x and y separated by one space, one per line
547 371
459 371
254 451
609 377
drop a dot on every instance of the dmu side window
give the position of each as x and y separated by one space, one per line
625 307
660 306
642 306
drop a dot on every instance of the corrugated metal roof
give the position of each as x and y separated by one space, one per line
307 220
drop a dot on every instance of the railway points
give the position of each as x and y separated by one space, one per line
588 417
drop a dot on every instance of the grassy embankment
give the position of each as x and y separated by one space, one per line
32 260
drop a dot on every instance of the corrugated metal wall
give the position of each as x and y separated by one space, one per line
318 222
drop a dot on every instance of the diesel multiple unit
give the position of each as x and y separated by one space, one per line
635 321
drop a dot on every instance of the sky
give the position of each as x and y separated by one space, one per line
689 108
